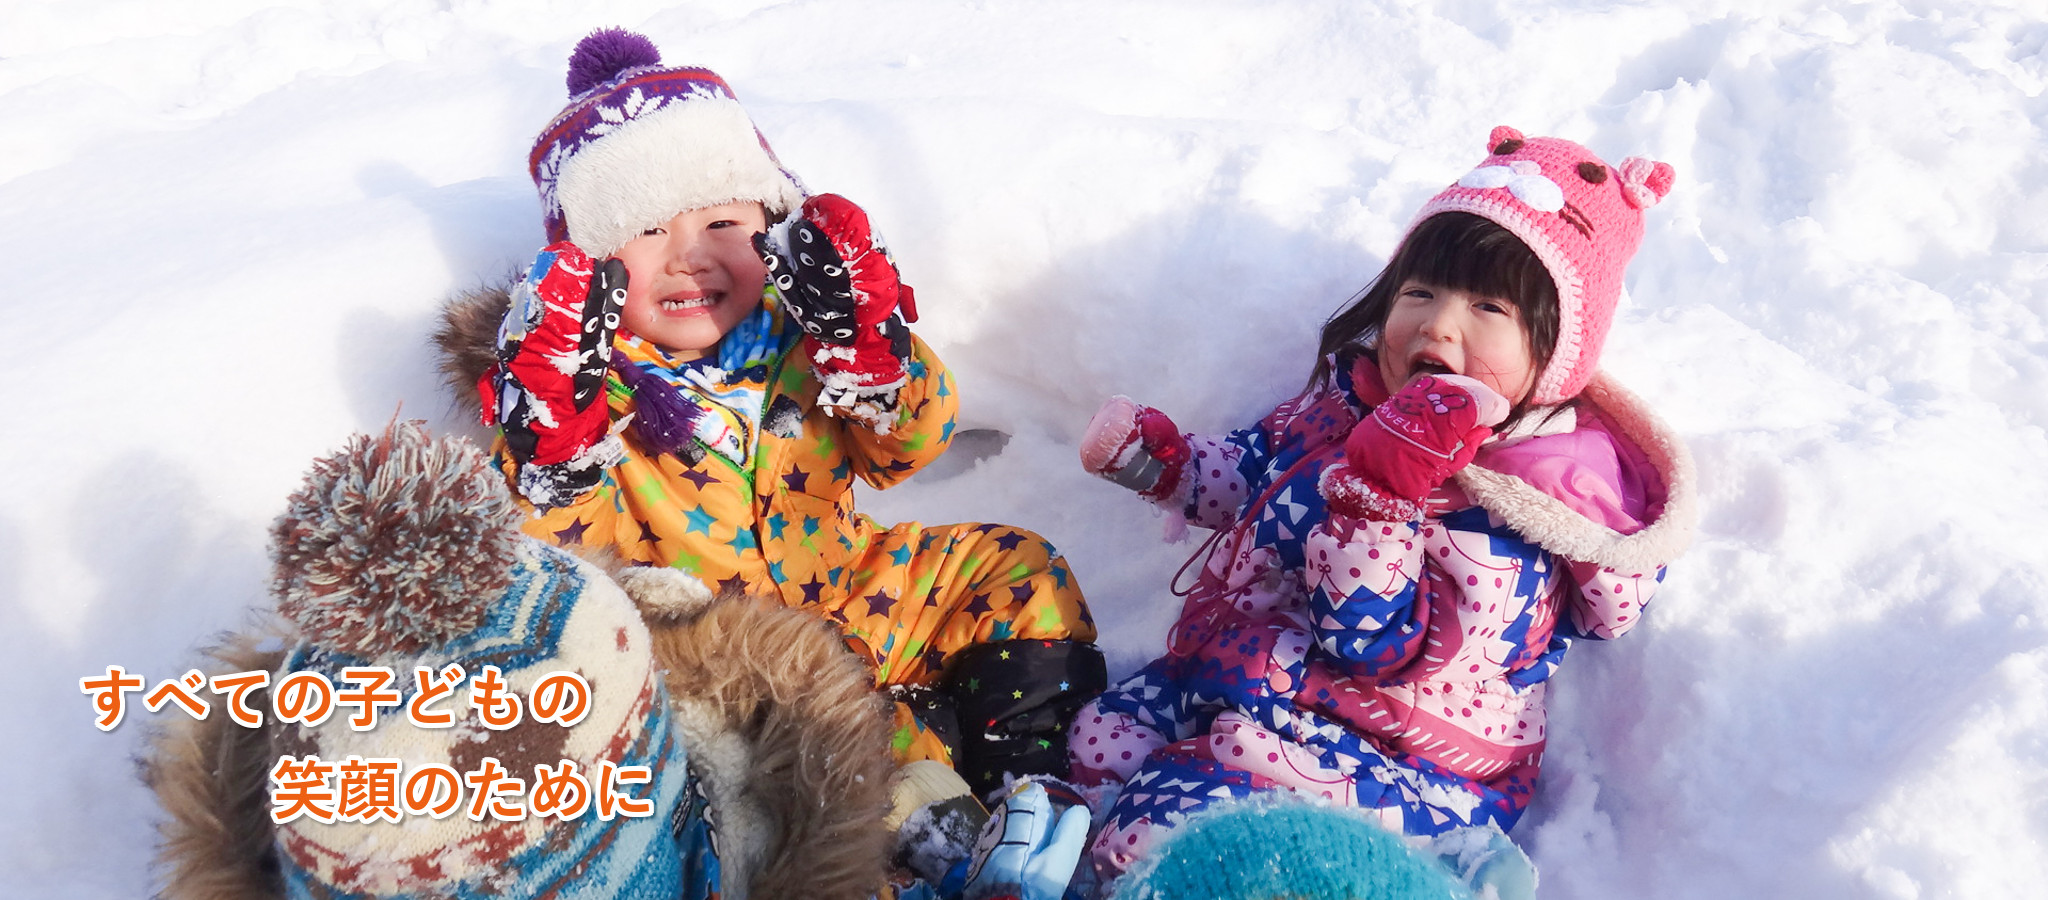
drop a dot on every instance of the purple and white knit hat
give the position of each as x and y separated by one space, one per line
639 143
1584 220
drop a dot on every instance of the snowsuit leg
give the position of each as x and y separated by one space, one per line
1236 754
1243 667
1176 780
991 616
1015 700
1108 746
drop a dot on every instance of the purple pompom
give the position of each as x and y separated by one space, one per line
604 54
663 419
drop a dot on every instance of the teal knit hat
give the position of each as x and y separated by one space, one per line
1275 846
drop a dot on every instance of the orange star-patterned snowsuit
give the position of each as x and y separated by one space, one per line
763 501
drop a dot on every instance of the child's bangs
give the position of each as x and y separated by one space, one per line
1459 251
1465 252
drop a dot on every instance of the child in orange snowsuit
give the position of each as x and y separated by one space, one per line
698 369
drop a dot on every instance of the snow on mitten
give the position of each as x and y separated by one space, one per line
1428 430
554 347
936 819
841 287
1135 446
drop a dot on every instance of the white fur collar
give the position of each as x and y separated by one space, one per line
1544 420
1556 527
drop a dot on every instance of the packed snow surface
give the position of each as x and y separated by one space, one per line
230 223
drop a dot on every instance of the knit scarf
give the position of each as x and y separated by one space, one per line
717 400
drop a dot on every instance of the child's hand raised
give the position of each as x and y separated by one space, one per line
841 287
553 349
1135 446
1393 459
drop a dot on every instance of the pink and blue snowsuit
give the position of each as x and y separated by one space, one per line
1393 666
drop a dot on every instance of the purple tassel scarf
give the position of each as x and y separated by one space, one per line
663 419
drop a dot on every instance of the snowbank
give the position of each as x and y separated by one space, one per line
230 221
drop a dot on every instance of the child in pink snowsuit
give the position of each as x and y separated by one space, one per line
1405 551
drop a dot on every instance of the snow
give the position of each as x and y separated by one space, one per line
231 222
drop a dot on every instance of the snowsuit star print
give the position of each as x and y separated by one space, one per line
763 502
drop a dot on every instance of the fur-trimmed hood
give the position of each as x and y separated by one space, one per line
781 723
1649 458
467 338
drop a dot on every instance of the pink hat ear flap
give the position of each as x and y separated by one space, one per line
1645 181
1503 140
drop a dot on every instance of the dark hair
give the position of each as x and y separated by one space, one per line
1460 251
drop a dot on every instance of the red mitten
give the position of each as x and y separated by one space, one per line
1425 432
554 347
842 288
1135 446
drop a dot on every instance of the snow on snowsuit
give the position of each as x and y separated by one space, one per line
763 500
1394 666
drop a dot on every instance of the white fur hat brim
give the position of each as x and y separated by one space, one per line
692 153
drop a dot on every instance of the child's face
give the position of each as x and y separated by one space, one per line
693 278
1437 330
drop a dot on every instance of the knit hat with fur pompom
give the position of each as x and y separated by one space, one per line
1584 220
402 554
639 143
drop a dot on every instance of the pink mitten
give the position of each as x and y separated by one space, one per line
1135 446
840 285
1425 432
